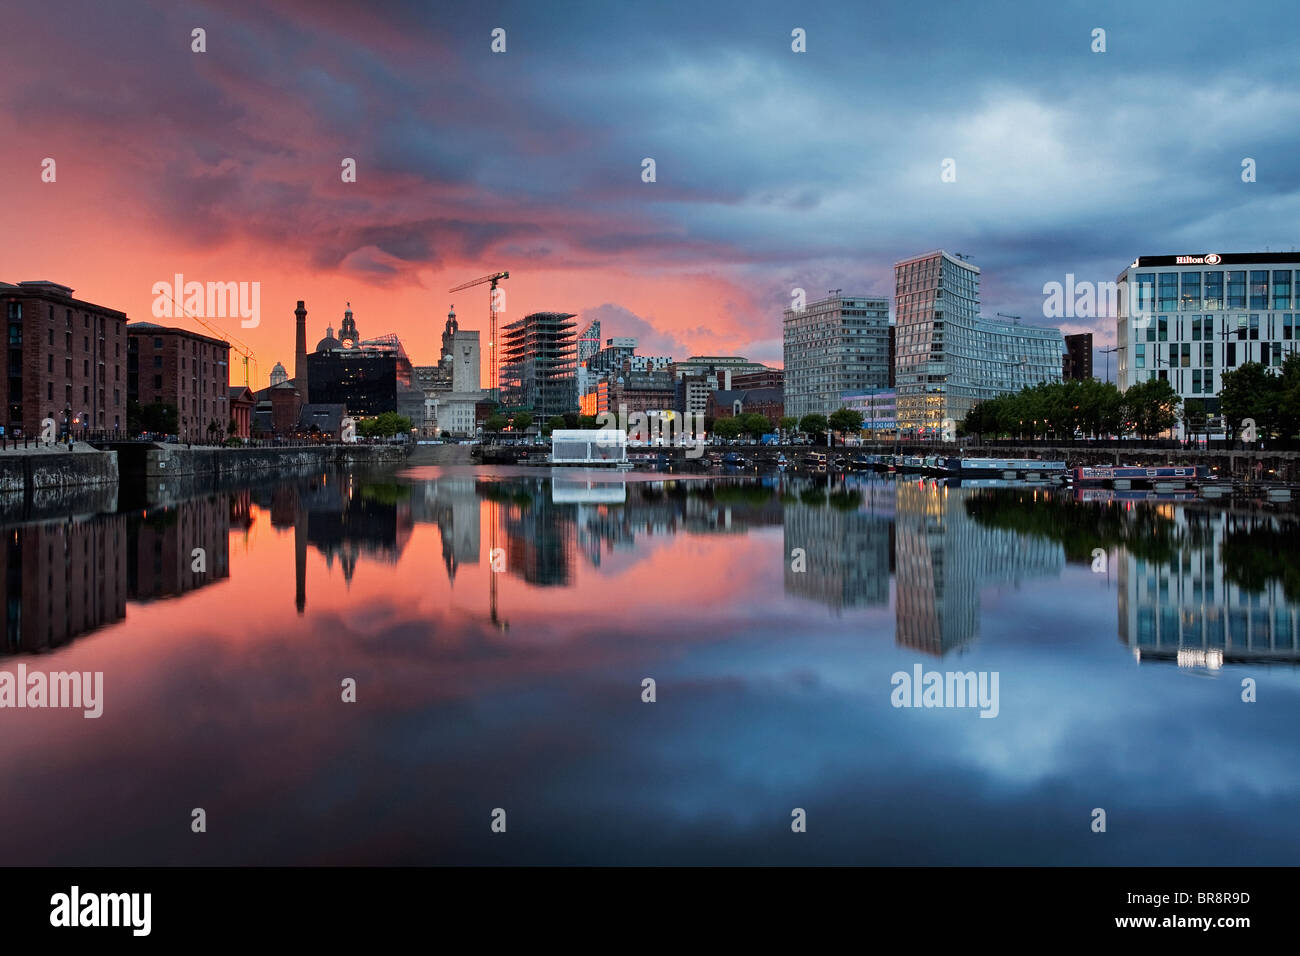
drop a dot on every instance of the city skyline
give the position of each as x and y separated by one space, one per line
224 165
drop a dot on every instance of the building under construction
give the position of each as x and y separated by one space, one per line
538 360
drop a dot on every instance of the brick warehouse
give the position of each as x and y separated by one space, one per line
184 369
67 360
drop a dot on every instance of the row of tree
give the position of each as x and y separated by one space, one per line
1254 393
1063 410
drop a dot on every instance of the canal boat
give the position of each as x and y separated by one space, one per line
1127 476
1028 468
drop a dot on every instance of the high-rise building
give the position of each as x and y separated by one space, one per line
1077 361
947 357
832 346
1188 319
67 360
537 364
589 341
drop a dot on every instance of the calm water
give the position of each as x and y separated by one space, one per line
522 689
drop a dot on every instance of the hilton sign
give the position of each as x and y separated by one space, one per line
1213 259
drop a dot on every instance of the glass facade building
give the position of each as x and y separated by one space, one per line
1188 319
835 345
947 358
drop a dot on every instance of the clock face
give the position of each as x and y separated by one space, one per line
347 343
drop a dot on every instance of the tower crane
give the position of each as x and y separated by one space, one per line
494 278
226 337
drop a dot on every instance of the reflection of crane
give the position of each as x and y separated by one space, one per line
492 586
226 337
1008 316
494 278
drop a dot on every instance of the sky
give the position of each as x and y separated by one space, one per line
774 170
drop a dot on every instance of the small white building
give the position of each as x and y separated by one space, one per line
592 446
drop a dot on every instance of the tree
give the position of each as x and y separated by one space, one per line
845 420
521 421
1251 391
554 422
727 428
788 423
496 422
1152 406
753 424
814 425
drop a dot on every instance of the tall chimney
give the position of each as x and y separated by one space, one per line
300 354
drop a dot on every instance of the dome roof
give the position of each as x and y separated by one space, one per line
278 368
328 343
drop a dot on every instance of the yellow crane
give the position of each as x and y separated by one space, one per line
226 337
494 278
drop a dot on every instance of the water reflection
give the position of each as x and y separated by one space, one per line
520 687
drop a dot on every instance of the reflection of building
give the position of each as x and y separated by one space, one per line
1190 604
847 550
160 548
943 558
62 580
541 536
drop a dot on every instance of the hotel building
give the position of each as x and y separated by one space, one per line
832 346
1188 319
948 358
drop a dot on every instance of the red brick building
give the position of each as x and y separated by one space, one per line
67 360
184 369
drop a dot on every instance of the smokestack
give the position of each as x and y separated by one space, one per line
300 353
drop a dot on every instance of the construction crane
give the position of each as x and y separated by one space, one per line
226 337
494 278
1008 316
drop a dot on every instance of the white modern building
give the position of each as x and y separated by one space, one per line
1190 318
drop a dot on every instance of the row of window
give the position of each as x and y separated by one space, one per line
1234 289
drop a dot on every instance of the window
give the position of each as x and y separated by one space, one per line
85 393
1196 328
1277 353
1168 291
1191 297
1230 355
49 363
51 337
1286 326
157 342
157 381
1186 353
67 368
15 311
49 390
1140 356
1164 328
86 342
1213 290
1281 288
157 361
1207 354
1236 290
85 366
1259 289
1254 326
1196 381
